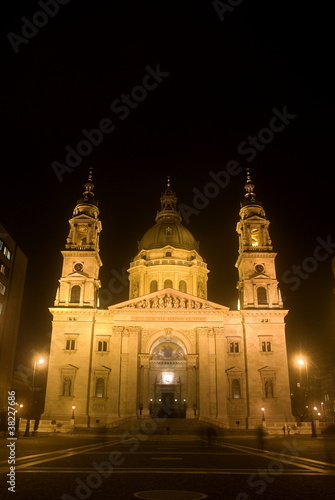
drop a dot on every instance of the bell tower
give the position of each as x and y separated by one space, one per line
257 285
79 283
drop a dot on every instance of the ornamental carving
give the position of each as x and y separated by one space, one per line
169 301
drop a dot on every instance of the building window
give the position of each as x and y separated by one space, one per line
262 297
4 269
268 388
236 388
183 286
234 347
266 346
70 345
7 252
168 284
2 288
100 388
168 254
153 286
102 346
75 294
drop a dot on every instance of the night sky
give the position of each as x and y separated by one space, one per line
197 90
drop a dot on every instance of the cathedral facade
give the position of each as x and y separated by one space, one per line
168 350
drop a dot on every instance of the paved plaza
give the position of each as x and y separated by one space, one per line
149 462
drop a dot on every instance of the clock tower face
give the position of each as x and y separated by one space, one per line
259 268
78 266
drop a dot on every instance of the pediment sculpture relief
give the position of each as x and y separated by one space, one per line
168 301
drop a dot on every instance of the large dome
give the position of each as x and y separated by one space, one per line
168 232
168 256
168 229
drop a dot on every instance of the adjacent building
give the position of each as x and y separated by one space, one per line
13 265
168 350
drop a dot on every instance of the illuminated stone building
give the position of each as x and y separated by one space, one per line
168 349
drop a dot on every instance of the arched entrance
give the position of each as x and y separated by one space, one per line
168 379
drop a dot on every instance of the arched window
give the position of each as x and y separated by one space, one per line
262 296
236 388
153 286
182 286
75 294
100 388
168 284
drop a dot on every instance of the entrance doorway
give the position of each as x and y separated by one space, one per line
169 406
168 400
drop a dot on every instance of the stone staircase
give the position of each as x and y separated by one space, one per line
153 429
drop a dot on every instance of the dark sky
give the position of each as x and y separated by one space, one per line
221 82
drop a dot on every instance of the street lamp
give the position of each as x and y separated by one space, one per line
263 414
72 416
37 361
18 409
303 362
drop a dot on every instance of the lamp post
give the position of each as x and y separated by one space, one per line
37 361
263 416
72 416
18 410
303 362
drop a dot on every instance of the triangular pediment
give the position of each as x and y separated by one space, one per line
77 274
168 298
83 217
259 276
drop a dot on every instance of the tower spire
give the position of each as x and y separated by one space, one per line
249 187
88 194
168 210
257 285
87 204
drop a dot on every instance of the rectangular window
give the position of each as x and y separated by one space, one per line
2 288
234 347
1 244
102 346
269 387
236 389
7 252
4 269
266 346
70 345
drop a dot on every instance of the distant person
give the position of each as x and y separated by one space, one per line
211 434
288 430
260 433
284 430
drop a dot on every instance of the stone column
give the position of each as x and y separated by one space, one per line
144 388
203 374
192 389
129 372
221 348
